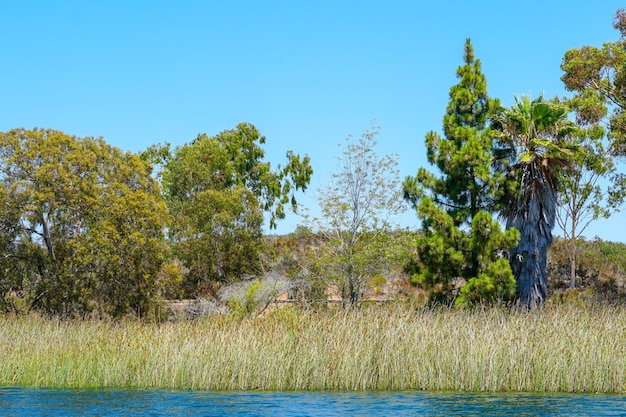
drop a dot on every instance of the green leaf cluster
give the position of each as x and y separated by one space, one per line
598 77
217 190
82 226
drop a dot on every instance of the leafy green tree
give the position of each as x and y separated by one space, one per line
217 190
358 209
593 189
535 133
598 76
81 226
456 208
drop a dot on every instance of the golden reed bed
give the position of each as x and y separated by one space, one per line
558 349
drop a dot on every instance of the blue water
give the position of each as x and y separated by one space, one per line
27 402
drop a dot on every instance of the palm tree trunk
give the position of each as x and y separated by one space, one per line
531 282
530 259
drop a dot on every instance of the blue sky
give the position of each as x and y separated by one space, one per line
306 73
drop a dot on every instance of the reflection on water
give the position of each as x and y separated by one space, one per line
25 402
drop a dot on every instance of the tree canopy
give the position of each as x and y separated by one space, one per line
81 226
598 76
217 190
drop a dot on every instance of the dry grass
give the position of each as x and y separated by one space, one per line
559 349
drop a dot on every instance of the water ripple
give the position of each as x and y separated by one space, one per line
32 402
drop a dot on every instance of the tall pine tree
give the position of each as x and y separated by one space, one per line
459 237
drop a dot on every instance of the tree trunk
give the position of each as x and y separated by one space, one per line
531 284
529 260
351 286
572 255
344 296
572 266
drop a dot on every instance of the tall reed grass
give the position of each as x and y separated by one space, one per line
558 349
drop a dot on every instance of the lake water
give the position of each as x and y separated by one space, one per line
27 402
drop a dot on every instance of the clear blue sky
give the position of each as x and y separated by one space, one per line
306 73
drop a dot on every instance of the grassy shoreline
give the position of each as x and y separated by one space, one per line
558 349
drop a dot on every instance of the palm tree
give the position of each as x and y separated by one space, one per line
532 141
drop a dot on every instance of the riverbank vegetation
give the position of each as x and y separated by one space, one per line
561 348
90 231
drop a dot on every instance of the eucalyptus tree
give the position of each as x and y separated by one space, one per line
217 190
81 226
596 189
459 238
535 140
598 75
593 189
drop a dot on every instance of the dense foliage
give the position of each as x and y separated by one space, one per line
217 190
598 77
81 226
460 239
